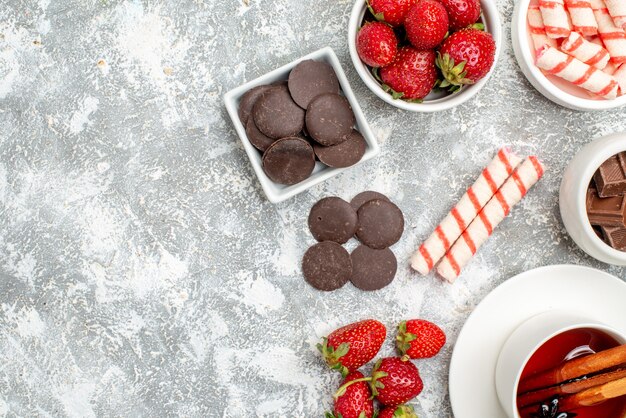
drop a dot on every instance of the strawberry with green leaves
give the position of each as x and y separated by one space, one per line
400 411
349 347
465 57
376 44
390 11
418 338
411 76
355 400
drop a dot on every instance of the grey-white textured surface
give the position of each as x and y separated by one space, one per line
142 272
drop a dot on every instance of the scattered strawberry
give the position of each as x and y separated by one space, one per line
400 411
349 347
353 400
395 381
426 24
412 75
390 11
418 338
376 44
462 13
466 56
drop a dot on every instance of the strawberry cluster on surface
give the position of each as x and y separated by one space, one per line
393 380
414 46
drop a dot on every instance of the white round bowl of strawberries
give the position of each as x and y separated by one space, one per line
424 55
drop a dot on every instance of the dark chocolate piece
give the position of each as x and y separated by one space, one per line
276 114
615 236
611 176
609 211
348 153
311 78
372 269
380 225
248 100
332 219
329 119
289 160
364 197
327 266
256 137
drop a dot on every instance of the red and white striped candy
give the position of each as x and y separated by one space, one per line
555 18
583 20
588 52
451 228
553 61
617 10
537 29
613 37
511 192
620 76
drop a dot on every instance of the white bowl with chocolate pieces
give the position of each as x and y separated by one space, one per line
300 125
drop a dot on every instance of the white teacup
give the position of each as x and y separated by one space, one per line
526 339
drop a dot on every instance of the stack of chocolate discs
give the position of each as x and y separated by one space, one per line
375 221
294 121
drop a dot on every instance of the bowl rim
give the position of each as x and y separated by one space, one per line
519 34
489 13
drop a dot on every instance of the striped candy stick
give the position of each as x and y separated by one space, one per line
511 192
537 29
453 225
583 20
588 52
620 76
613 37
617 10
555 18
553 61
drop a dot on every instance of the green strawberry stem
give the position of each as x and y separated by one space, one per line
454 74
403 340
333 356
342 389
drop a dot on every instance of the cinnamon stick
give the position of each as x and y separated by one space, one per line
538 396
594 395
577 367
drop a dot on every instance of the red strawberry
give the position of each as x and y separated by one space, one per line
353 400
348 348
376 44
391 11
395 381
412 75
418 338
426 24
466 57
462 13
400 411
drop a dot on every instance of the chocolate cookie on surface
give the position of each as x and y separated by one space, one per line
332 219
327 266
372 269
329 119
276 114
289 160
364 197
311 78
380 225
248 100
345 154
257 138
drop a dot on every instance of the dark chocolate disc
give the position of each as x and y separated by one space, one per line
276 114
248 100
256 137
380 225
329 119
363 197
311 78
372 269
289 160
332 219
327 266
348 153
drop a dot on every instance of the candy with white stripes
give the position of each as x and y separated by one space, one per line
511 192
555 18
581 14
620 76
613 37
451 228
588 52
555 62
537 29
617 10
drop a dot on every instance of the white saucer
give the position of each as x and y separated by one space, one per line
589 292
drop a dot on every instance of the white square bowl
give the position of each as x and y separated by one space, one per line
277 192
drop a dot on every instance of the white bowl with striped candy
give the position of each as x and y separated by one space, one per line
559 91
573 196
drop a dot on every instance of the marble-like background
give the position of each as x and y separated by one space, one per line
142 271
